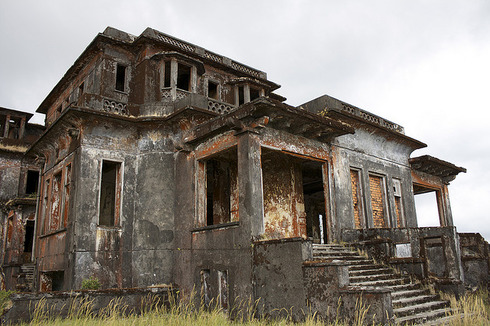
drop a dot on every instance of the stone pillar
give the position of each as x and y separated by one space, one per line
246 93
251 201
193 88
446 215
7 126
174 67
22 128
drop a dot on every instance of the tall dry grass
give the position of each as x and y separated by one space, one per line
472 309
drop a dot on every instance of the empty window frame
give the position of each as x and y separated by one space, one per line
45 206
357 199
120 77
166 74
213 90
184 77
378 200
397 194
66 194
32 181
29 236
110 193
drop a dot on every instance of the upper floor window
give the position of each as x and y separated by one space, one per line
254 93
120 77
32 180
166 73
213 90
183 77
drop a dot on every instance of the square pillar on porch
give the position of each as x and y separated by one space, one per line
251 202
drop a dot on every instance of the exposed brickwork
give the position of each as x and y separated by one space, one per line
377 201
356 199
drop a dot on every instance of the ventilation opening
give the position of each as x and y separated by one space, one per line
314 196
212 90
120 77
29 237
57 279
184 77
109 193
32 182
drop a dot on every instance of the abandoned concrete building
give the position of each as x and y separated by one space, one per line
165 163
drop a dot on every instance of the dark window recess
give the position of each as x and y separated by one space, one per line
254 93
57 279
212 90
109 193
166 78
241 95
120 77
81 88
218 192
32 182
184 77
29 238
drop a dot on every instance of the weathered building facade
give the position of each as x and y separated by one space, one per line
163 162
19 177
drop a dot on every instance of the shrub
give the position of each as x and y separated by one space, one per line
91 283
5 300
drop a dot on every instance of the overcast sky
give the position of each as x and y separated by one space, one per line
422 64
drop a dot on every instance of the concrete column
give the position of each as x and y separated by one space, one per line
174 67
22 128
193 79
7 126
251 201
237 95
445 213
246 93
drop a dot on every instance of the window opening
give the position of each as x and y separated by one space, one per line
32 182
183 77
212 90
241 95
376 185
166 72
29 237
46 206
81 89
120 77
254 93
219 182
397 194
14 128
66 194
314 198
109 193
359 217
426 205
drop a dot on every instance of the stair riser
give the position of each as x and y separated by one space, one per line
419 310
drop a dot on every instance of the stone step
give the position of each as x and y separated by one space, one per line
382 283
370 271
397 295
423 317
369 266
420 308
414 300
337 253
371 278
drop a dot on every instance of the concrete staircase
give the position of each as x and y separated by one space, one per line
25 278
412 304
